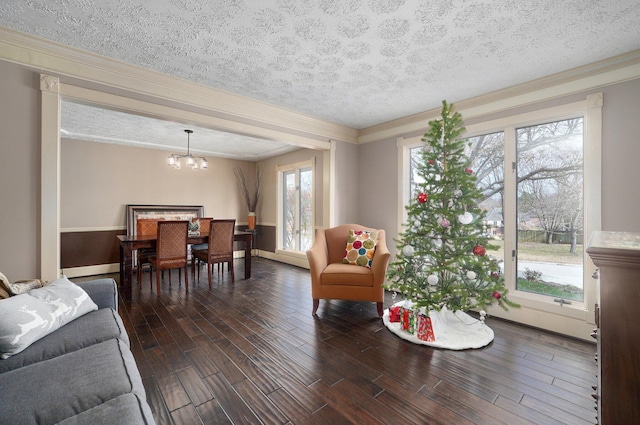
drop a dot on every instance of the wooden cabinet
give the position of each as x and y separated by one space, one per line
617 256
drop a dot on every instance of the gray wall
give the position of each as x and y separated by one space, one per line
366 175
620 169
620 156
348 184
379 188
19 172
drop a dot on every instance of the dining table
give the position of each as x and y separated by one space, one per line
130 243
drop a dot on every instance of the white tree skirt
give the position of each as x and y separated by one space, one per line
452 330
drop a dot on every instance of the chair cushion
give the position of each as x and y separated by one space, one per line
92 328
361 245
346 274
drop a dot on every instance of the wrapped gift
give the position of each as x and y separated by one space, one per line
407 320
394 314
425 328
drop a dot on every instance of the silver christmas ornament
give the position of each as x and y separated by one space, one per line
408 251
465 218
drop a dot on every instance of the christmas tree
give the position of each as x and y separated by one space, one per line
442 255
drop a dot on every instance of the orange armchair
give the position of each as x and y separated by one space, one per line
331 279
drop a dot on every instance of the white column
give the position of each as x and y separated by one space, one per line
50 178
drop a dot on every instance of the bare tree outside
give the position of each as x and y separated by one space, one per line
549 188
297 229
289 213
306 209
550 177
550 198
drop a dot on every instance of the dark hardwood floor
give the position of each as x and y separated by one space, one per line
252 353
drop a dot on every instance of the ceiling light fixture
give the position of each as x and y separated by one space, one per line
195 162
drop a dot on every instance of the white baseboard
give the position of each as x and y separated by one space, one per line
288 259
92 270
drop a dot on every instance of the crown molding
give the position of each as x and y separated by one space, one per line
141 107
614 70
50 57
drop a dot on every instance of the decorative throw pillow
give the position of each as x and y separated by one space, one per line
32 315
21 286
4 293
18 287
361 245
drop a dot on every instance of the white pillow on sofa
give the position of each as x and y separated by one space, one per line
27 317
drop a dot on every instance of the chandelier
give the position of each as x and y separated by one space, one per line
195 162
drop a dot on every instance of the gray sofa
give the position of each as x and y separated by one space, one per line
82 373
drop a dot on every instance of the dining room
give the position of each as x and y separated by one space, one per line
198 233
135 159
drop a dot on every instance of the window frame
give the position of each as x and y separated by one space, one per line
536 310
281 170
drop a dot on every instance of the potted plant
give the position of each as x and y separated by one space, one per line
251 197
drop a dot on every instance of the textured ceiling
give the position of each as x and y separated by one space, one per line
352 62
82 122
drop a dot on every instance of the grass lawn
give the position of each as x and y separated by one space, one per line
542 252
568 292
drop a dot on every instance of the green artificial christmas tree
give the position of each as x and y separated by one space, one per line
441 258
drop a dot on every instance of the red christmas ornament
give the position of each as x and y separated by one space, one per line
496 295
468 170
431 162
422 198
479 250
495 275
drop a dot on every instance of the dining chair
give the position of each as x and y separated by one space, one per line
205 222
145 227
171 250
220 246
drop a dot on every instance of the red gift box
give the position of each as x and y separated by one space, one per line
394 314
425 329
407 320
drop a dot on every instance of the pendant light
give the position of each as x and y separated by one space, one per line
195 162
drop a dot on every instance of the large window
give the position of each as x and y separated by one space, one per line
540 177
296 207
550 206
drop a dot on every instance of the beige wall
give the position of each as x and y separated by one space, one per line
98 180
267 213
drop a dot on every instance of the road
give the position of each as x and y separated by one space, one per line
566 274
